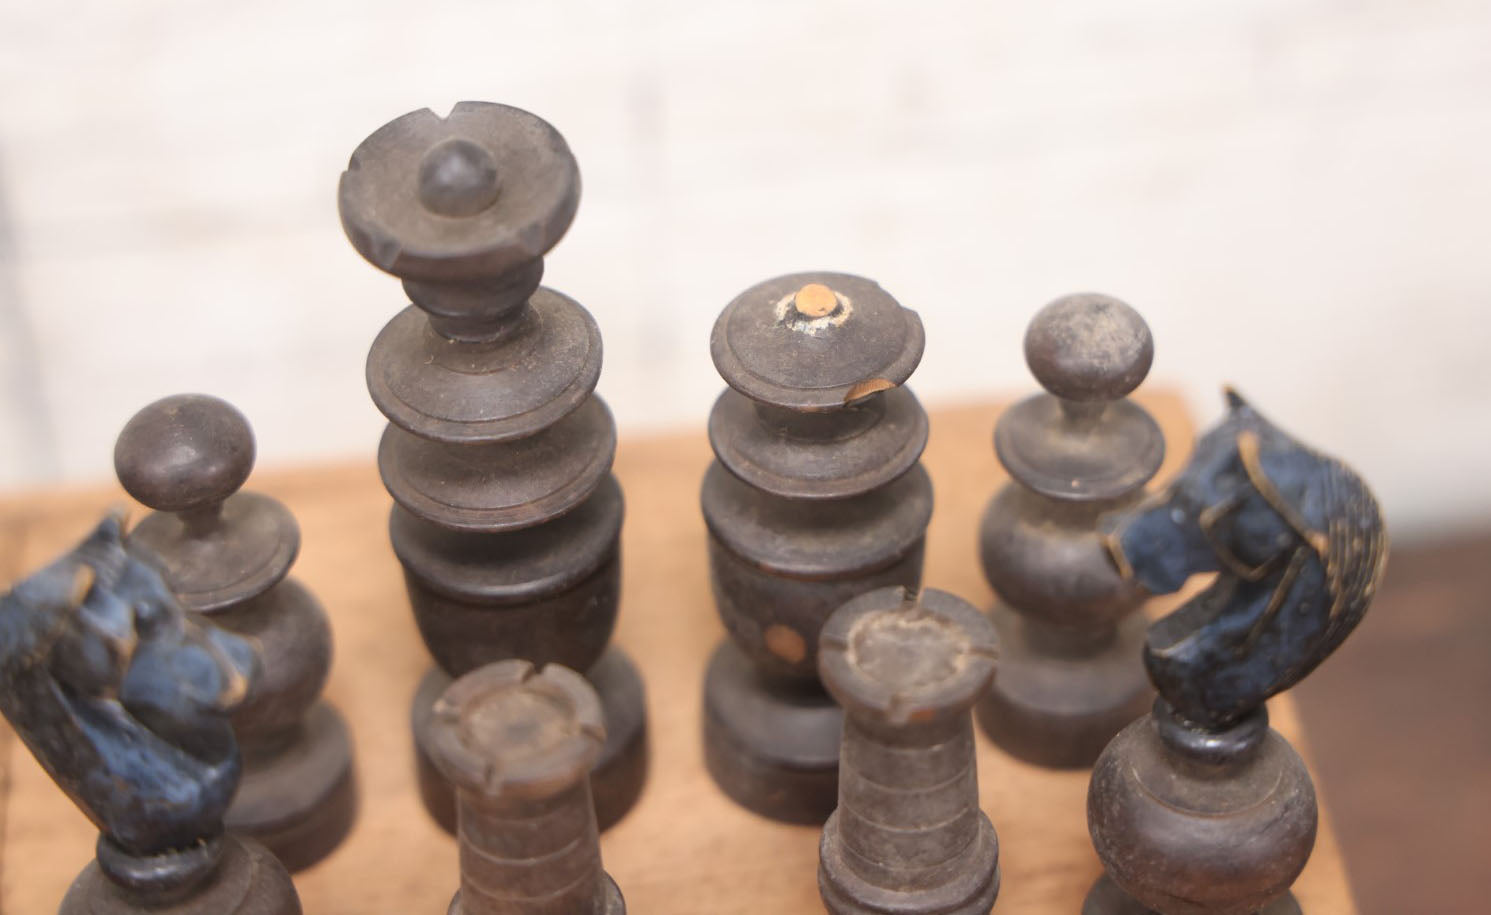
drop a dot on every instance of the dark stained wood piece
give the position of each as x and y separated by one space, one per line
816 496
227 553
498 452
1070 678
1200 808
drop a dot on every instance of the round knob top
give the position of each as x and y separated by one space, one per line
905 658
815 341
508 731
1088 347
472 195
457 178
184 452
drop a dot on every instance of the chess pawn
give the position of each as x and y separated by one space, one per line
507 520
1069 678
123 699
908 836
1199 808
519 744
815 497
226 553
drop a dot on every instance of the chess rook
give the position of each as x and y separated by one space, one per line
816 496
1070 676
1199 808
227 553
507 520
518 745
908 836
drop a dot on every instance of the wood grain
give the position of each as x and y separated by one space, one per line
685 849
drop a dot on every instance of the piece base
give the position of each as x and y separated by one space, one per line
971 891
301 803
620 772
612 902
772 747
1060 711
1107 898
248 881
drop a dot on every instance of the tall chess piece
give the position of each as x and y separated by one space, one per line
1070 676
519 745
1200 808
123 698
507 520
908 837
816 496
227 553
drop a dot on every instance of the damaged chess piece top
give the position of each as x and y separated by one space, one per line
1070 677
123 698
227 553
816 496
518 745
908 836
1200 808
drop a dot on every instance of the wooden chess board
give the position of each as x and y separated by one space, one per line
685 849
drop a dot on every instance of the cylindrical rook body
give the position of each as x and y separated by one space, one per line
816 496
908 836
518 745
1070 677
498 452
530 857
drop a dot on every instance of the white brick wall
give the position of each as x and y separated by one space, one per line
1294 192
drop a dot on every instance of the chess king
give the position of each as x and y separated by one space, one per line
124 700
1200 807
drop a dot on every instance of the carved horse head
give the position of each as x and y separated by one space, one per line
121 696
1298 545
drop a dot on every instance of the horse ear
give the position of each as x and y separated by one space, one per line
1234 400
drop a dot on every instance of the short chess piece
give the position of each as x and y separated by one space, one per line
518 744
507 520
1200 808
124 698
227 553
816 496
1070 676
908 836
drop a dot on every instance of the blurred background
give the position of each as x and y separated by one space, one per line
1293 192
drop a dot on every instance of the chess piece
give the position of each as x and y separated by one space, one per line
227 553
518 745
908 836
816 496
123 698
507 520
1069 678
1200 808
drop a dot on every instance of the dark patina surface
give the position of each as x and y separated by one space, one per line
498 451
1070 678
1200 807
817 495
124 700
908 836
227 553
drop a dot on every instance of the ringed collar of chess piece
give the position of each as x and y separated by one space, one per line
816 408
463 209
